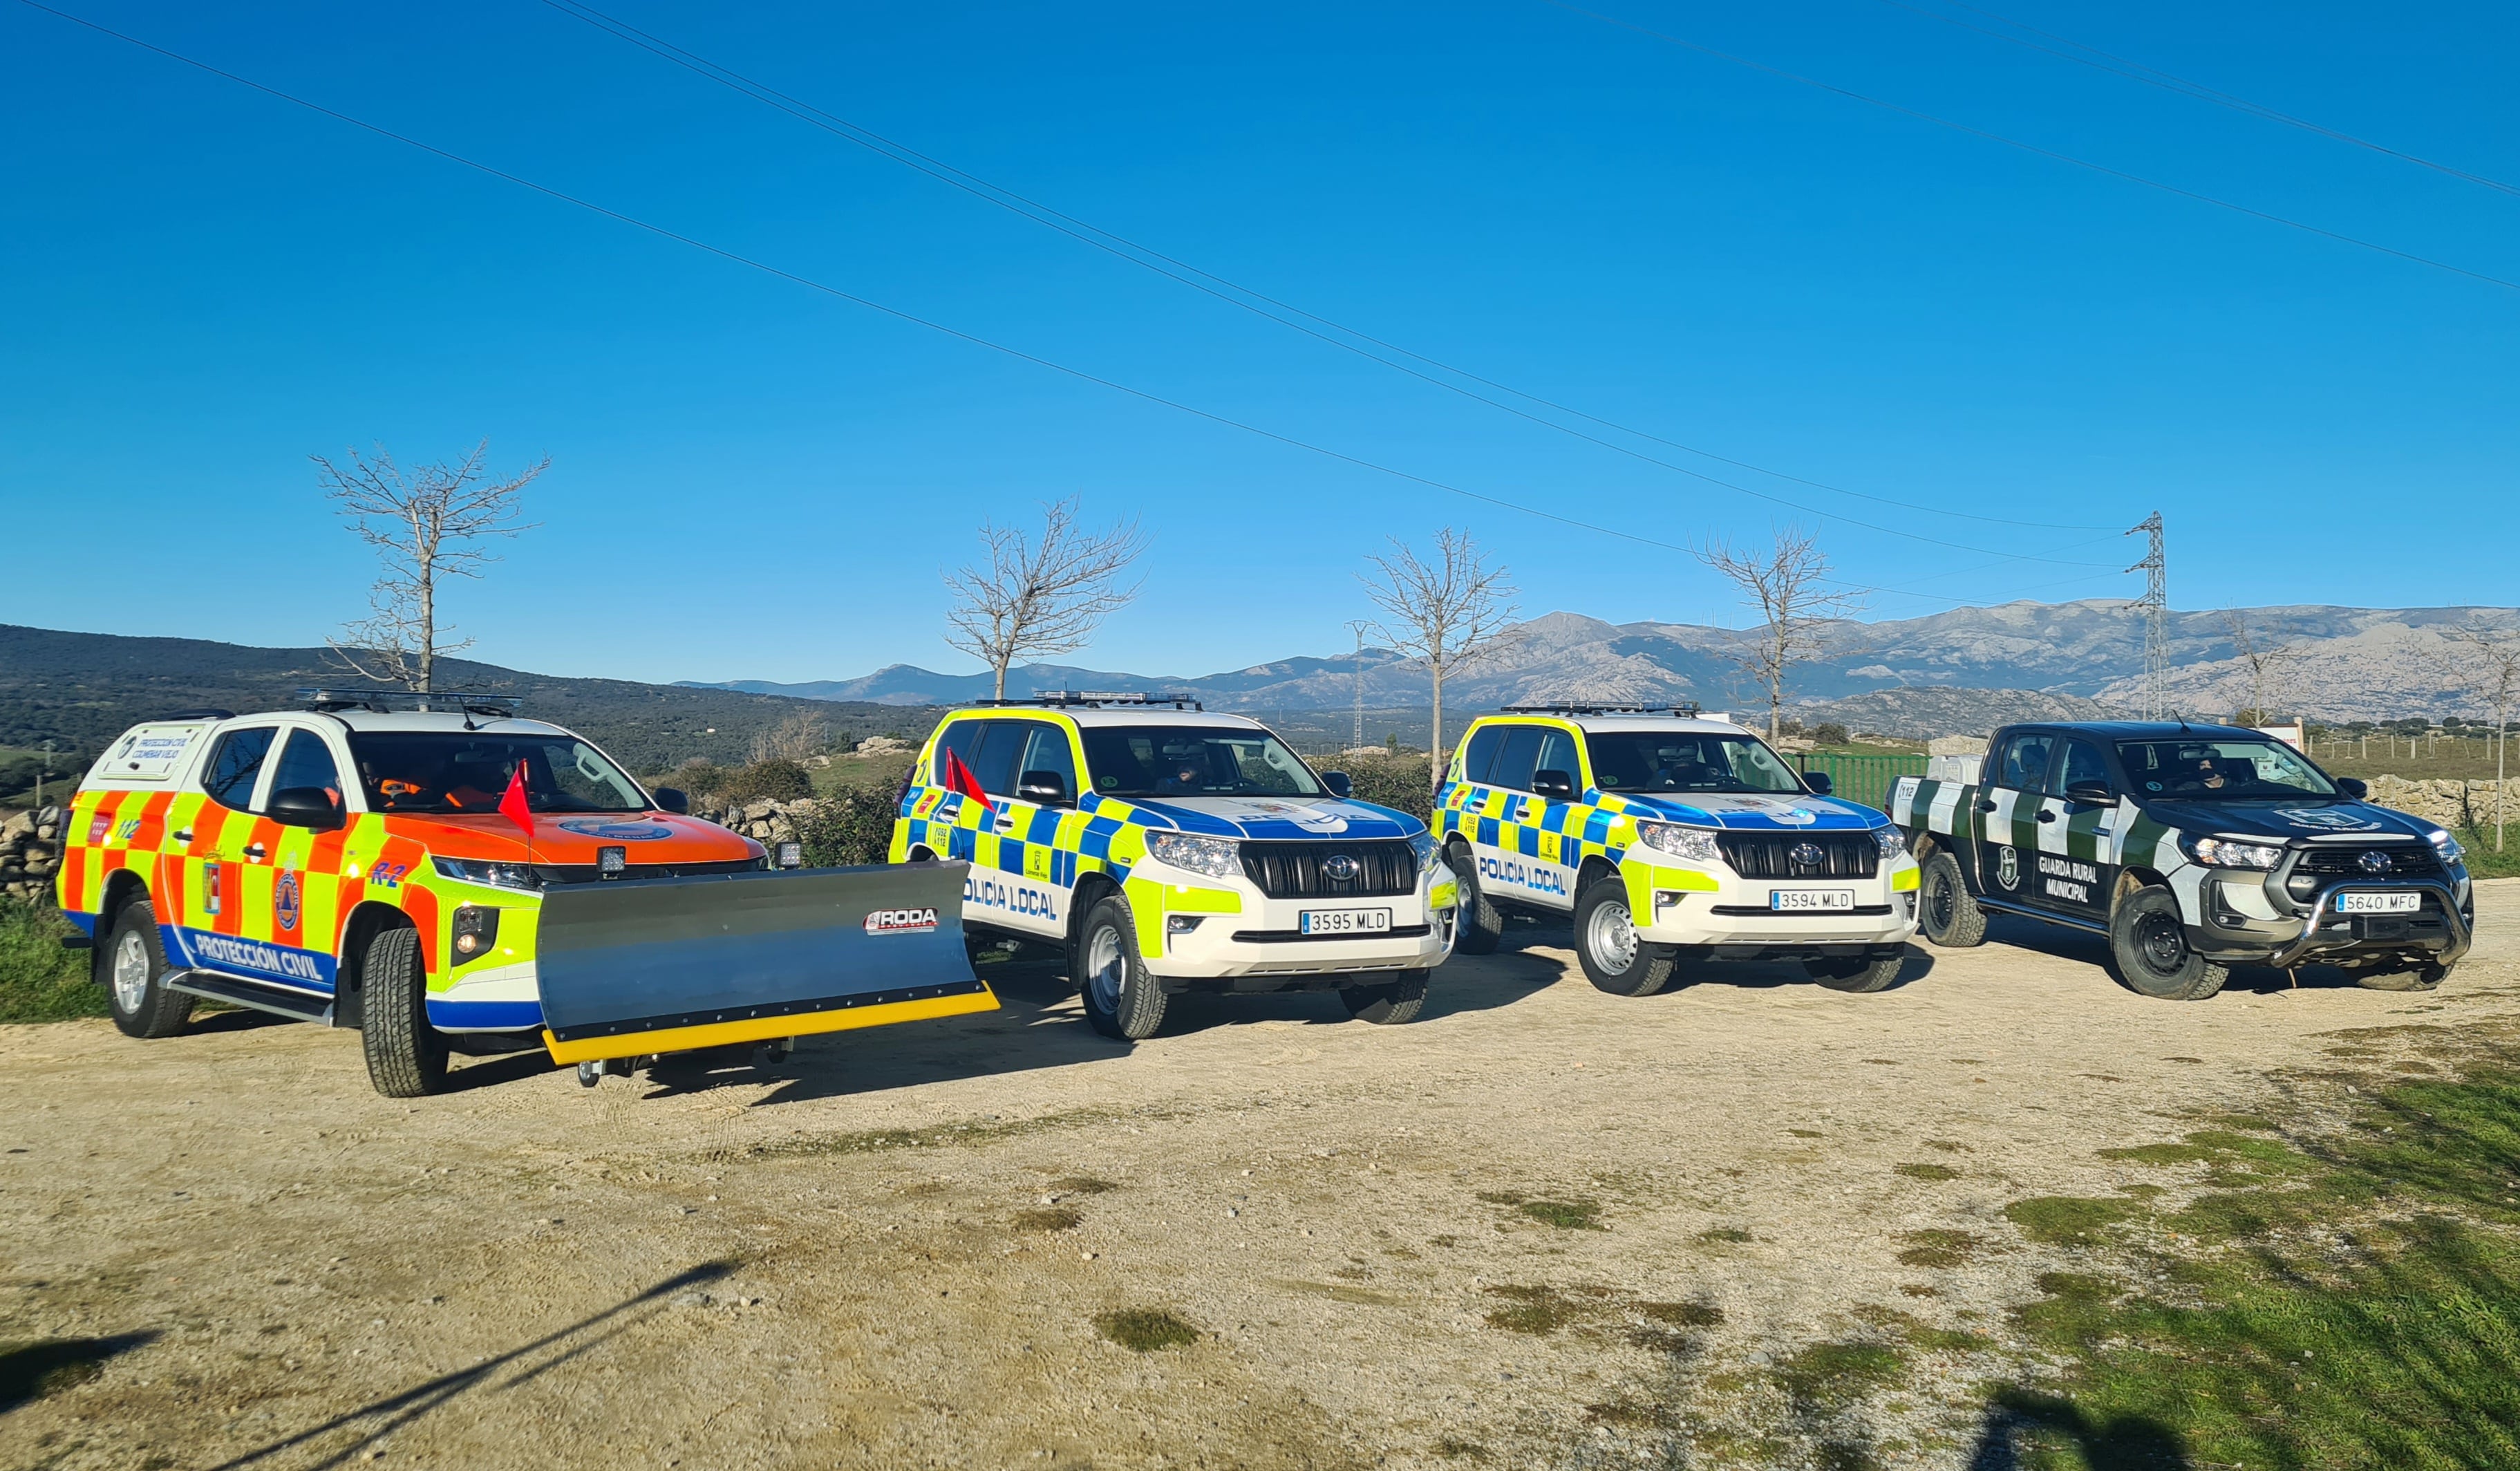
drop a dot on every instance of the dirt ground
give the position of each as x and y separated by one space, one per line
1540 1226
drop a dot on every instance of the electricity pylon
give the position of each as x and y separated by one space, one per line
1358 629
2155 604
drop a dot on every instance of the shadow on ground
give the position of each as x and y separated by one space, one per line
32 1371
2017 1420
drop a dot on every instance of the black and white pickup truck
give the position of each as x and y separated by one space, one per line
2193 849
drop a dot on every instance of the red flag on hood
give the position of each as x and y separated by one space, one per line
959 779
511 803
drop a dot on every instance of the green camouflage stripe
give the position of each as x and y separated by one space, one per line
2082 834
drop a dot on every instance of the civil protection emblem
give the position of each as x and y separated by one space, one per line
284 899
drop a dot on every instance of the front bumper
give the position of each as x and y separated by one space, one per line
2253 918
1721 911
1193 928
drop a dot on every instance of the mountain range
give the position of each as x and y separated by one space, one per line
1953 673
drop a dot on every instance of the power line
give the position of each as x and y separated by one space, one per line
2154 76
2031 148
1148 258
973 339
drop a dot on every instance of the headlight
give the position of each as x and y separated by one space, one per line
1427 851
1216 857
496 875
1894 842
2233 852
1694 844
2447 847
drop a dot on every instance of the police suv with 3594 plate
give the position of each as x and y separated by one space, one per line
1669 839
2193 849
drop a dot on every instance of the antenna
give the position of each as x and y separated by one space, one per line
1358 629
2155 604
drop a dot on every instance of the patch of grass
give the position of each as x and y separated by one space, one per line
1080 1184
1683 1314
39 981
1927 1172
2212 1146
940 1137
1565 1215
1804 1133
1144 1331
1833 1375
1949 1146
2067 1219
1725 1234
1536 1311
1939 1248
1454 1448
1049 1219
1632 1415
2360 1308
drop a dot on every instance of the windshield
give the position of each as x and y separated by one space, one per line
2233 770
468 771
1649 760
1193 761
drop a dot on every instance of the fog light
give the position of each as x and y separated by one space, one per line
791 854
1183 924
1667 898
476 931
611 862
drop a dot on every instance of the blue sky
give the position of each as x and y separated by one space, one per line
203 286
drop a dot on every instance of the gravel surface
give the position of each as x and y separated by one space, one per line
1539 1226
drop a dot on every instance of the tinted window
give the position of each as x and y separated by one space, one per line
2222 770
1002 745
1049 752
1686 761
1193 761
2082 763
2023 762
963 739
228 777
1557 753
468 771
1480 754
306 762
1518 758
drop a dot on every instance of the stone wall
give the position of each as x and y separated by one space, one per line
30 853
2451 803
764 821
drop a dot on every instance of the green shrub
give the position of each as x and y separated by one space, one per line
1391 782
777 779
1829 733
849 825
39 981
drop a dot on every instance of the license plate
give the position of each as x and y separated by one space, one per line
2379 903
1343 921
1784 899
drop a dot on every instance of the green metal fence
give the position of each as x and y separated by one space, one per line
1862 778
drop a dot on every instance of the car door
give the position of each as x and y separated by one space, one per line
1507 849
2009 806
232 897
1038 877
2077 845
306 898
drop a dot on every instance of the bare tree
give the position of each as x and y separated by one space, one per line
1044 595
1448 615
2270 671
427 524
2492 657
799 738
1788 582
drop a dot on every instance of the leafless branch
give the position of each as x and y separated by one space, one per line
424 523
1788 582
1038 596
1448 614
2268 667
2492 663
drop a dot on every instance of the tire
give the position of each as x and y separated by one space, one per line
406 1056
1857 973
2149 941
2422 978
132 968
1121 999
1946 911
1390 1001
1481 925
1605 941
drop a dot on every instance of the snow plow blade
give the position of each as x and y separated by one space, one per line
668 965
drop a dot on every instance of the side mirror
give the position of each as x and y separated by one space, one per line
2354 786
305 806
1338 783
1048 788
1557 784
672 798
1821 783
2091 794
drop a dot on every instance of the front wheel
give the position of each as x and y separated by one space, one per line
1614 959
1857 973
133 967
1121 999
1392 1000
1945 909
406 1056
1481 924
2148 941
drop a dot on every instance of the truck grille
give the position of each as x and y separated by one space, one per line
1301 870
2396 861
588 873
1772 855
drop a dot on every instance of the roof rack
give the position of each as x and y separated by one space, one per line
1100 696
326 699
1586 708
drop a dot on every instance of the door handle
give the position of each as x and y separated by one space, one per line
1985 805
2046 815
253 849
183 835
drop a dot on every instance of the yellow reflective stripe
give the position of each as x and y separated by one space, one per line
1904 880
764 1029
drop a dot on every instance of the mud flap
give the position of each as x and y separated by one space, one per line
667 965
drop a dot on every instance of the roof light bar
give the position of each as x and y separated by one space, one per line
1100 698
386 700
1686 710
